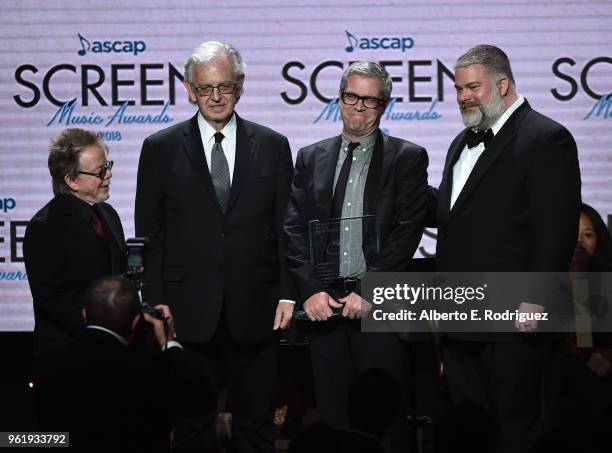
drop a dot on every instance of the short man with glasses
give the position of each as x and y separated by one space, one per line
74 239
361 172
211 195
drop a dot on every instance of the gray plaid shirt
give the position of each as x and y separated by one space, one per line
352 260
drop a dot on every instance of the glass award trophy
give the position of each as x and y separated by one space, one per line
336 248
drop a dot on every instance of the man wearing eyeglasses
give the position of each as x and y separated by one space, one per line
211 195
361 172
74 239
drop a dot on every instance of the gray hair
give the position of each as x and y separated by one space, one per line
212 49
370 70
64 156
494 60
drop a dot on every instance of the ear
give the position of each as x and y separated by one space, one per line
129 337
503 86
74 186
239 86
384 106
190 93
135 322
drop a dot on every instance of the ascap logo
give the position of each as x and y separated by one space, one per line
402 43
133 47
7 204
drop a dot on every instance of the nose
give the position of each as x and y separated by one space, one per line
109 174
216 94
463 95
359 106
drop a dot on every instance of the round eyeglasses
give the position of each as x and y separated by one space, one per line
102 173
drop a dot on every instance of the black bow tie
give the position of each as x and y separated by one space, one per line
474 138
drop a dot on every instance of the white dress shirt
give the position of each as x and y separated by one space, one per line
228 143
469 156
110 332
169 344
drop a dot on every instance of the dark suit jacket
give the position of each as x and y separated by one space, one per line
395 193
200 260
519 209
112 397
63 256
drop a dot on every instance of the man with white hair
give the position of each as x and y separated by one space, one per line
211 193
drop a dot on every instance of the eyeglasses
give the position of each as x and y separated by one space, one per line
369 102
207 90
102 173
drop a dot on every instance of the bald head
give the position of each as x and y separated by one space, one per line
112 303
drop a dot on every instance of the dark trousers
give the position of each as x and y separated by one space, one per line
249 373
339 353
518 383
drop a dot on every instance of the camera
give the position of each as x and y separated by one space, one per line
135 271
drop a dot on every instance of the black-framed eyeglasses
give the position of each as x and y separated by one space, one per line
102 173
369 102
207 90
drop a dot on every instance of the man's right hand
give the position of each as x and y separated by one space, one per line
158 325
318 307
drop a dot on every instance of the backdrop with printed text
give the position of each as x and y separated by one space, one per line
116 67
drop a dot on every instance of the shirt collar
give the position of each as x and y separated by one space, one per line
81 206
110 332
366 143
208 132
509 111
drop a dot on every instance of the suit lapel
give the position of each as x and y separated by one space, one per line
380 164
486 159
326 158
493 150
383 155
195 152
115 229
246 146
78 222
445 190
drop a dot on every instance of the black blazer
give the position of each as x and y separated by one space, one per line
200 260
63 256
118 398
394 192
519 208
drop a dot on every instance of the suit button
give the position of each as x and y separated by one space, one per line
222 235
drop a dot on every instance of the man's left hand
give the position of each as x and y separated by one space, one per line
354 306
284 313
530 325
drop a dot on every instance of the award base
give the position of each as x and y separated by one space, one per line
301 314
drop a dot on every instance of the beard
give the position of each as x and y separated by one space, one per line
486 114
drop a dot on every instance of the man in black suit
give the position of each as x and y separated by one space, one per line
361 172
509 201
211 194
74 239
109 392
